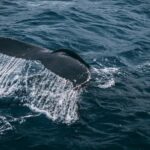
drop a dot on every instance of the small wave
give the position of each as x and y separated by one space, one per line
59 5
38 88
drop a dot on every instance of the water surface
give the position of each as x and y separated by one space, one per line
39 110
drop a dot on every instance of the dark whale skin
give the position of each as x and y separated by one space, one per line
63 62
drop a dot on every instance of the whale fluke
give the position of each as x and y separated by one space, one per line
64 63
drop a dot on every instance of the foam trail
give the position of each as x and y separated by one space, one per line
38 88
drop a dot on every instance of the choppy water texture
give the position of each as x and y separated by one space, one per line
39 110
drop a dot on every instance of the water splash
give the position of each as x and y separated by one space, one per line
56 97
38 88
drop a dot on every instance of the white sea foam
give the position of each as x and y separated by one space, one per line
38 88
6 122
4 125
104 77
144 67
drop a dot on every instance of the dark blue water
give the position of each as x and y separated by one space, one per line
113 36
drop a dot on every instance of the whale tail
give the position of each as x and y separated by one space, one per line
65 63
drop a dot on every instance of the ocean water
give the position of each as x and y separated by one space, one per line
40 110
